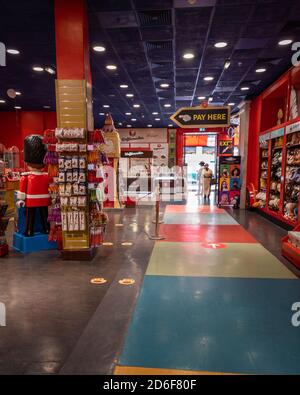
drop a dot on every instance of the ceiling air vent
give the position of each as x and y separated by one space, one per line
155 18
160 45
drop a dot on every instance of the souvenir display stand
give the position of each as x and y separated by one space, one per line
76 163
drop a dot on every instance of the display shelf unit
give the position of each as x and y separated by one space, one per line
274 119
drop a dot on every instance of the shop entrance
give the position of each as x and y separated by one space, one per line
199 147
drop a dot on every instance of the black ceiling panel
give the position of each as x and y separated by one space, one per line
146 39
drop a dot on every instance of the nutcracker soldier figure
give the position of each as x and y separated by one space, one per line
34 184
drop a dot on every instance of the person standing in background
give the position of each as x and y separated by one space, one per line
207 176
200 178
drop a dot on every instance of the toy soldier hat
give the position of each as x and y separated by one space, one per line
34 149
108 124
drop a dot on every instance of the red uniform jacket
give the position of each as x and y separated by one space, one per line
34 189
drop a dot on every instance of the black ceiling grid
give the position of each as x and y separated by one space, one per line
146 39
158 54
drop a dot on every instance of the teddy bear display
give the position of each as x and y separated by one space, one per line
293 139
293 157
261 200
290 211
274 202
264 164
277 158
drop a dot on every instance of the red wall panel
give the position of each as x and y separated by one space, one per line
15 126
253 141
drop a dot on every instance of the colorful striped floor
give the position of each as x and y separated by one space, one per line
213 301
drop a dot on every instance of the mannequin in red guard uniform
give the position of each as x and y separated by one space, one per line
34 185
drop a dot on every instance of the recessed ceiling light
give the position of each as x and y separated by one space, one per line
13 51
167 105
221 44
210 99
99 48
149 126
155 113
47 107
260 70
129 94
231 104
136 106
128 113
111 67
157 119
129 126
164 85
133 119
38 68
124 86
50 70
188 55
120 124
245 88
106 106
2 101
285 42
18 108
201 97
170 125
208 78
18 93
101 113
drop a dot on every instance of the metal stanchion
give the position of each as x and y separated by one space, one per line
157 236
160 220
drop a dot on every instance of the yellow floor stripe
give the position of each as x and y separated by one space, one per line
134 370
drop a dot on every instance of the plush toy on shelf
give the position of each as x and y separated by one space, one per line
274 202
290 211
279 116
261 200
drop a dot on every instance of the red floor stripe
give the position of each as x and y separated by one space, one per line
206 233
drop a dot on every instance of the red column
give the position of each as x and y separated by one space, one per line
72 45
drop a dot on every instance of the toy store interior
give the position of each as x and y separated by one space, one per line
149 187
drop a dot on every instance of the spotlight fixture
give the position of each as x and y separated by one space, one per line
285 42
50 70
221 44
12 51
38 68
111 67
227 64
261 70
208 78
188 55
99 48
